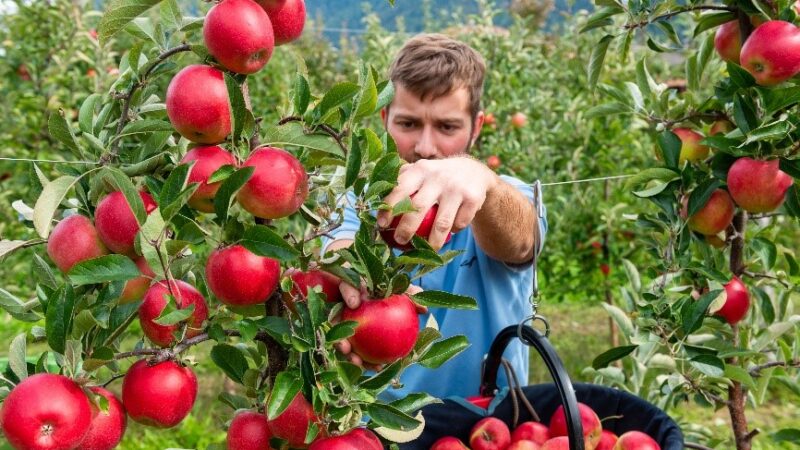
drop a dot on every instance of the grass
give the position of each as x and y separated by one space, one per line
578 333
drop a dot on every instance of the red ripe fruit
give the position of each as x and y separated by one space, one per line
278 187
208 159
116 224
73 241
155 300
249 431
197 104
238 33
239 277
107 426
387 329
161 395
288 18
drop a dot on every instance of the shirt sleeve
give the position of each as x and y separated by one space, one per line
350 222
527 190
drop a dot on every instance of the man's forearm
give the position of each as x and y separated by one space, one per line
504 226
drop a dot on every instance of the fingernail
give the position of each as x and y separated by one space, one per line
382 222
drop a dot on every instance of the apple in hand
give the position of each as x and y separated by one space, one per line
239 277
714 216
449 443
161 395
155 300
45 412
197 104
758 186
249 431
238 33
278 187
423 231
207 160
116 224
772 52
387 328
489 433
636 440
530 431
691 149
288 18
107 427
73 241
592 426
737 302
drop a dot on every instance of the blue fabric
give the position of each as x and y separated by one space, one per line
502 292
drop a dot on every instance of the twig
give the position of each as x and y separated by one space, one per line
770 277
163 354
756 371
324 127
322 232
680 11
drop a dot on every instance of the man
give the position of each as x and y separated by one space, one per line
434 118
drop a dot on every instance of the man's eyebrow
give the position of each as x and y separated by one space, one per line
406 117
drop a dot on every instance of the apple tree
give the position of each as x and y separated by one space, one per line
712 321
192 219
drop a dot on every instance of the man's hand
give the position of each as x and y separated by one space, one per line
459 185
352 299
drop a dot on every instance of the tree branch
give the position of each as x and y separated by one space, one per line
163 354
680 11
756 371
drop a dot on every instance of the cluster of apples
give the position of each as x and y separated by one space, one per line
491 433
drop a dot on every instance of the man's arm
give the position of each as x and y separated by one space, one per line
504 226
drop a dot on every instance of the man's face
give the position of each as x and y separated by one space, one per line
431 128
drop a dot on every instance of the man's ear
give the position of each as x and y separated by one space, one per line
384 115
477 125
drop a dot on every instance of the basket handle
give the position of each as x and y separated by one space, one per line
533 338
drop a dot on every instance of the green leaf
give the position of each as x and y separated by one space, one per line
119 13
293 134
263 241
58 320
390 417
60 130
709 365
382 379
740 77
442 351
374 265
7 247
708 21
745 114
86 114
122 182
341 330
792 203
736 373
385 96
776 99
767 251
386 169
221 174
612 355
378 189
620 318
18 309
701 194
301 95
337 95
16 357
228 189
367 98
145 126
441 299
231 360
787 435
596 60
170 14
693 317
49 201
607 109
104 269
354 160
287 385
172 316
670 145
414 402
237 106
601 18
773 131
174 184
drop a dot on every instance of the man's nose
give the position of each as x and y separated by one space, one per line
426 145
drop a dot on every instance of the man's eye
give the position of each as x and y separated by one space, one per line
406 124
448 128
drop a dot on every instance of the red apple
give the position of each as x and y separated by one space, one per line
107 426
607 441
728 41
557 443
91 73
591 424
691 150
197 104
530 431
720 127
45 412
758 186
292 424
636 440
737 302
161 395
714 216
489 119
288 18
772 52
93 34
490 433
239 277
73 241
24 74
134 289
238 33
357 439
423 231
249 431
387 328
315 277
524 445
493 162
278 187
480 401
519 120
116 224
605 269
448 443
155 300
208 159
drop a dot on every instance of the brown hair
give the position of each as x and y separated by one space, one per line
433 65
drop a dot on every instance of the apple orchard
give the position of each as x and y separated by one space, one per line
193 217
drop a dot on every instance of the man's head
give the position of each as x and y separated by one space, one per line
436 111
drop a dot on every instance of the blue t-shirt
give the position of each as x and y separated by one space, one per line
503 294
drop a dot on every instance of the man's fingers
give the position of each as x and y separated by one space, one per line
443 223
423 200
413 289
350 294
408 182
344 347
